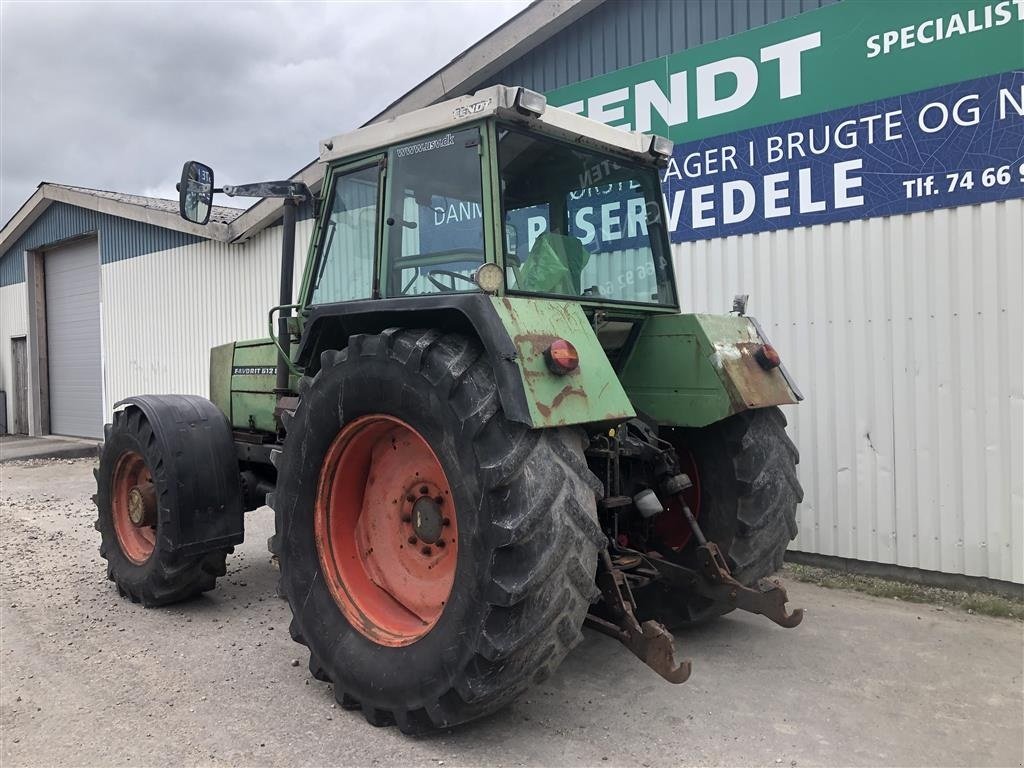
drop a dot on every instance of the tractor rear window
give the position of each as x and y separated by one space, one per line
435 220
579 223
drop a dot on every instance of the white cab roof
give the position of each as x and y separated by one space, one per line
498 101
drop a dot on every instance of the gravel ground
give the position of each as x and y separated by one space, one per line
90 679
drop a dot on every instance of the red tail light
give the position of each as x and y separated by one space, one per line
562 357
767 357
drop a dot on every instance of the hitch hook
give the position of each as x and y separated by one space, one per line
650 642
769 599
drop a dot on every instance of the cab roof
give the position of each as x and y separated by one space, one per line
515 104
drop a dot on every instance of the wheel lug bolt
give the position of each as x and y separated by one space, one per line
426 550
439 500
446 522
410 498
440 544
424 490
413 539
406 519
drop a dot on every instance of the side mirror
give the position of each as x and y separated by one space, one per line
195 192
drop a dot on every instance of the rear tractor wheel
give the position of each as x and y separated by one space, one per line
138 498
437 558
745 496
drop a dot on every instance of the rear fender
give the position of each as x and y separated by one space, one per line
514 331
694 370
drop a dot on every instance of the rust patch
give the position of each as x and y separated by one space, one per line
747 383
567 391
538 342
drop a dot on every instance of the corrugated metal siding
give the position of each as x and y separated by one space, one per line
620 34
625 275
13 322
905 334
119 238
12 268
73 339
163 311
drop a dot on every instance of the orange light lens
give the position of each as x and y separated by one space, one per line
767 357
562 357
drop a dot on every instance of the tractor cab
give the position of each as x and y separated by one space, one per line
557 219
497 195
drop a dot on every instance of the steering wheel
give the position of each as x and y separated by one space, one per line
449 274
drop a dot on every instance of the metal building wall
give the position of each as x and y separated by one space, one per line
13 322
119 238
162 312
620 33
905 334
904 331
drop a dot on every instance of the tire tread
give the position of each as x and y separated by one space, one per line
545 545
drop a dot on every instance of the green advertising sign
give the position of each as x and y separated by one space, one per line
842 55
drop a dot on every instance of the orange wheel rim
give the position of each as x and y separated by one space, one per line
131 491
386 530
672 527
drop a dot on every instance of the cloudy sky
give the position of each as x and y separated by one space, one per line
117 95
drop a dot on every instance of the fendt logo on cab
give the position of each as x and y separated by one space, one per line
470 109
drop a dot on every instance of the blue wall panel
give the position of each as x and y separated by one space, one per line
621 33
119 238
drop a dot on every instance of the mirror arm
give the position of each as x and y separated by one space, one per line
287 189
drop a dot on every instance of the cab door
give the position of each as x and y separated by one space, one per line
348 247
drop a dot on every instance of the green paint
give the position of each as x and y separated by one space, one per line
220 377
835 73
252 393
589 394
689 370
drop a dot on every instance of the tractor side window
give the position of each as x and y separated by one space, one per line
435 222
348 241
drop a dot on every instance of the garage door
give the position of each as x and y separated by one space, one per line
73 339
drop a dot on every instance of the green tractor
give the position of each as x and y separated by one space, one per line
485 424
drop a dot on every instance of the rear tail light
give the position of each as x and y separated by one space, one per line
767 357
562 357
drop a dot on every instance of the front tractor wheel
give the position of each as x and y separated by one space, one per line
136 502
437 558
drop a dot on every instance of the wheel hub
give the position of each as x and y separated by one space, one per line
142 505
427 520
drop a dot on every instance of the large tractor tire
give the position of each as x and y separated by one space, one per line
437 558
139 497
745 496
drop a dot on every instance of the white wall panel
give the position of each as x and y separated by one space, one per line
163 311
13 322
907 336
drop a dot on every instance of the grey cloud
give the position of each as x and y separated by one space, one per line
117 95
